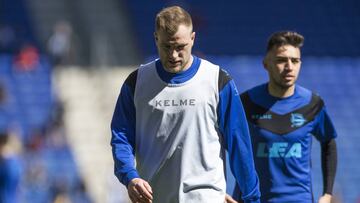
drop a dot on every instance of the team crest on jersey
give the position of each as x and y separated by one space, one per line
297 120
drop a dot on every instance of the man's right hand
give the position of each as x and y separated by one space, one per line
140 191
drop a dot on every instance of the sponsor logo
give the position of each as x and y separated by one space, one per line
279 149
173 102
261 116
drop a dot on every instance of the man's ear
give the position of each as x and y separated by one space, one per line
193 34
265 62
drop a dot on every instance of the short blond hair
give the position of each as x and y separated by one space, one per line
169 19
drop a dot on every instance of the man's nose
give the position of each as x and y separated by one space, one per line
173 53
289 65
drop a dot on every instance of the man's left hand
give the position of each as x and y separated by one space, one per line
229 199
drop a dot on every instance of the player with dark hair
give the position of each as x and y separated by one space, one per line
283 117
177 115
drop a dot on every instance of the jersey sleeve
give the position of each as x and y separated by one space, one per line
234 128
325 132
328 165
123 132
324 129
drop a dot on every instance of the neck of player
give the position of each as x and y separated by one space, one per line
280 91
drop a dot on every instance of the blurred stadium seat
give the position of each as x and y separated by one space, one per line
242 27
29 107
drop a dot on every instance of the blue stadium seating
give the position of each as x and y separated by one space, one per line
242 27
29 93
29 105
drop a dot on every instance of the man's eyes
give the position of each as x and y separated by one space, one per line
181 47
166 46
281 60
295 61
284 60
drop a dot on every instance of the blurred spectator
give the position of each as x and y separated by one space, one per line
10 168
80 194
62 198
60 191
35 141
60 46
27 59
